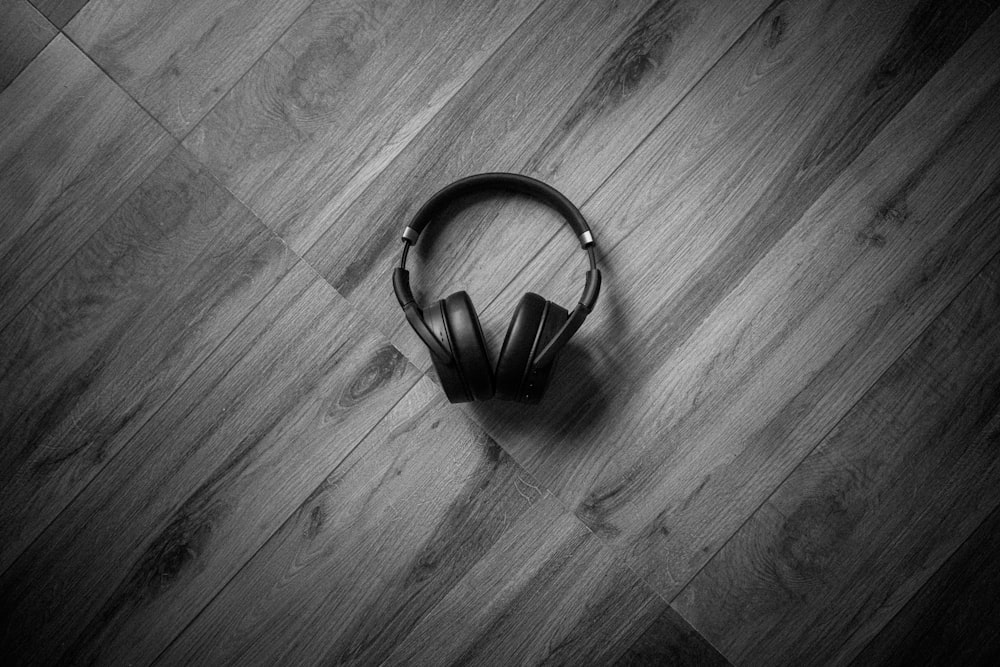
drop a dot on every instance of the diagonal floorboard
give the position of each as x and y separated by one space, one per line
117 330
73 147
885 498
952 617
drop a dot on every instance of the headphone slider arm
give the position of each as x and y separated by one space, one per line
401 286
591 290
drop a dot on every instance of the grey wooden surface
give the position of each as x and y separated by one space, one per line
774 442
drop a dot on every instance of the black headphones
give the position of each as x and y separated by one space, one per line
450 327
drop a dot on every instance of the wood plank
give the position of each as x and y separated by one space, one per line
343 92
952 619
712 366
427 545
178 59
875 510
547 593
72 148
23 34
59 11
205 482
576 107
116 331
670 640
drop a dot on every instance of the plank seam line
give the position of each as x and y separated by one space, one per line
28 64
242 76
925 585
968 538
34 5
118 85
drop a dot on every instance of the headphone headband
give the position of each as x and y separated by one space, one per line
518 184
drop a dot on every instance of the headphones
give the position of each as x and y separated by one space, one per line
450 327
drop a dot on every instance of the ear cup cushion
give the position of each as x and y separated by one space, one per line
450 375
534 324
537 380
517 344
469 345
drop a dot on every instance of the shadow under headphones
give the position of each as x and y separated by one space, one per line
450 327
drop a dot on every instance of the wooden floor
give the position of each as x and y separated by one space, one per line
776 440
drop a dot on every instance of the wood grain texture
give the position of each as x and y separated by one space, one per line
952 619
861 524
222 451
330 106
59 11
116 331
553 103
177 59
548 592
204 483
712 393
427 545
72 148
23 34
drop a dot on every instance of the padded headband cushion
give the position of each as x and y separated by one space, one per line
468 345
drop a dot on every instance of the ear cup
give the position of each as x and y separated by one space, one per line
451 379
534 324
455 322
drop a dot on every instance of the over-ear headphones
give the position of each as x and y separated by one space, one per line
450 327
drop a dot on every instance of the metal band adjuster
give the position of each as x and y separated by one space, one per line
586 239
410 235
